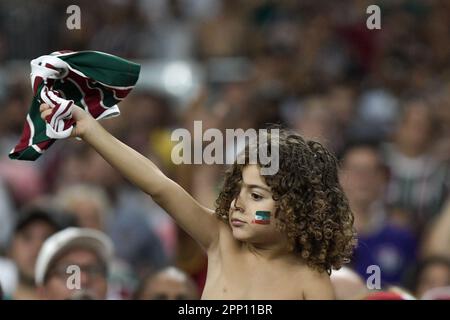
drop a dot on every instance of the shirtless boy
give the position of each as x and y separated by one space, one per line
269 237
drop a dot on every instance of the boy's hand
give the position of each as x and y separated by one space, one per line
82 118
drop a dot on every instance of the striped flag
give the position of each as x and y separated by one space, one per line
93 80
262 217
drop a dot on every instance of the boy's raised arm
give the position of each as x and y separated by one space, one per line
198 221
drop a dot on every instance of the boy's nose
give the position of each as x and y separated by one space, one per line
237 204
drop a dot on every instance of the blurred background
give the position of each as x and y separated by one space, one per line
380 99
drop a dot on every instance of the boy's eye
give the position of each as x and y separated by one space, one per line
256 196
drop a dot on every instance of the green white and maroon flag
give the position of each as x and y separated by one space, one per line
262 217
93 80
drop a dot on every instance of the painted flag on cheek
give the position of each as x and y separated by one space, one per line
262 217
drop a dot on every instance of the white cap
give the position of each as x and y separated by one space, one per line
70 238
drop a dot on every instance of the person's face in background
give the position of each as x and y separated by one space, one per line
93 276
414 130
362 176
433 276
164 286
341 100
315 121
98 172
26 244
88 214
88 203
71 172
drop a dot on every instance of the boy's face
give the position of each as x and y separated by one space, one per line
251 214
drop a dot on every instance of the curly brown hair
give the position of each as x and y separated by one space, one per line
311 207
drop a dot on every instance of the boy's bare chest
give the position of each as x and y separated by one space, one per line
241 277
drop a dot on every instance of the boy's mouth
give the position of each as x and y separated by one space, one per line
237 222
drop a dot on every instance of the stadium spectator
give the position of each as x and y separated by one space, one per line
74 264
380 242
167 284
34 225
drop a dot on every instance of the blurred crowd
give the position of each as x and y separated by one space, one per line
380 99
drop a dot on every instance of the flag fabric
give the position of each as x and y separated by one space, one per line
262 217
93 80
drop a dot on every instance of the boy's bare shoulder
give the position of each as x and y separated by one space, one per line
316 285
